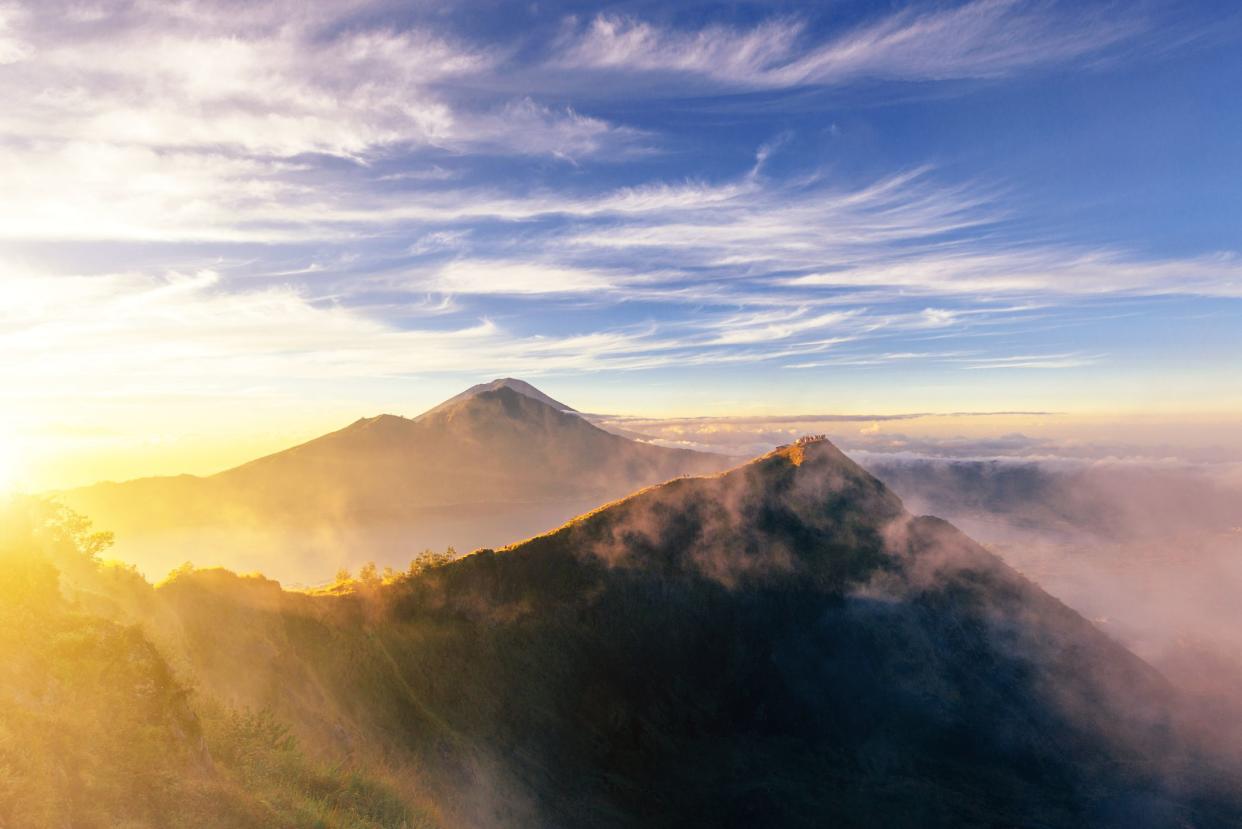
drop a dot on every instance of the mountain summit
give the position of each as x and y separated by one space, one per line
499 461
779 645
519 386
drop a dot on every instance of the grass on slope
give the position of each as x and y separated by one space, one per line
96 731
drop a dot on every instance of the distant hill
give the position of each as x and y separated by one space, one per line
499 461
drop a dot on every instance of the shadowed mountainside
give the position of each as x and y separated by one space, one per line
779 645
1118 501
500 461
1152 552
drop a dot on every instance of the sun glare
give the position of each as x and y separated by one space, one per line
8 465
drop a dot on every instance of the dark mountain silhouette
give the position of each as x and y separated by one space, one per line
780 645
1148 550
500 461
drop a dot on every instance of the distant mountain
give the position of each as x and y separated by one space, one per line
501 460
519 386
782 645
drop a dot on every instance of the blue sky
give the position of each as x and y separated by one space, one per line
219 210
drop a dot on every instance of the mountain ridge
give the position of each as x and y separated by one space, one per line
780 644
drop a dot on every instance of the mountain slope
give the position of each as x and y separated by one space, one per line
497 445
780 645
97 731
500 461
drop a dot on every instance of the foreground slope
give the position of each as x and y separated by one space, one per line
98 731
780 645
500 461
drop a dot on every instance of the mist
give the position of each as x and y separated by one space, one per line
1144 538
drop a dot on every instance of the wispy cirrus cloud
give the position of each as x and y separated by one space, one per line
1055 269
216 338
1046 361
984 38
95 335
475 277
209 76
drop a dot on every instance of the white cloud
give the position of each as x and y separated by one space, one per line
102 191
12 47
1051 269
614 42
272 88
800 225
1046 361
132 334
527 128
482 277
774 325
186 334
271 94
983 38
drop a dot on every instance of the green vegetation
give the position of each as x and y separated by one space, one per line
96 731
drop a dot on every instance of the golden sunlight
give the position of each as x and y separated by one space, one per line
9 465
